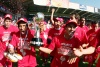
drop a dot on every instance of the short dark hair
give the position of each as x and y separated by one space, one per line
22 22
7 19
71 23
93 22
82 18
77 16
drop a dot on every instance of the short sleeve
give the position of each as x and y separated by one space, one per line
13 40
53 44
93 40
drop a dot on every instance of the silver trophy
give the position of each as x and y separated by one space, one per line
37 41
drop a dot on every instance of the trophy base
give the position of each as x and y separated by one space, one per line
36 42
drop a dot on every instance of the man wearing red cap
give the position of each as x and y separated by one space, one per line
6 31
58 28
63 46
21 41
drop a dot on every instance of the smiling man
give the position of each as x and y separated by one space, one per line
63 46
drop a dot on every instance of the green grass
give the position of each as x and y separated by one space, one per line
85 64
40 61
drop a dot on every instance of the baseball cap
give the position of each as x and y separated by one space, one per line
22 19
71 22
58 19
8 16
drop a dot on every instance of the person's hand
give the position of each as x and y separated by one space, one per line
78 52
53 10
11 50
85 45
72 60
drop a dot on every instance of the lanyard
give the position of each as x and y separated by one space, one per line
23 39
22 43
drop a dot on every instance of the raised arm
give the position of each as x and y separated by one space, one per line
53 10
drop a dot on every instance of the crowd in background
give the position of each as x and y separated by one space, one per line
66 42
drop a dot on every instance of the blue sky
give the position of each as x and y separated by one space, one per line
94 3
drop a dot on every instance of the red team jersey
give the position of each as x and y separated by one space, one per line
85 28
81 35
22 45
55 32
98 41
44 36
62 48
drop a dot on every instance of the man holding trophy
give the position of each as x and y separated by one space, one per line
21 43
24 40
41 36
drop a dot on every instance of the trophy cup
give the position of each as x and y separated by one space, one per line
37 41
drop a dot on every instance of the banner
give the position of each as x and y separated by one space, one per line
82 7
42 2
73 5
95 10
60 3
54 3
90 9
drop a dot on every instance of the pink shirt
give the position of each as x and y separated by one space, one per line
90 32
98 44
55 32
93 40
44 36
5 36
62 48
81 34
85 28
98 37
22 45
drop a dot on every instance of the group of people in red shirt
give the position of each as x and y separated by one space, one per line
66 43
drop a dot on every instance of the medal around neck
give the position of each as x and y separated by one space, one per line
36 41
